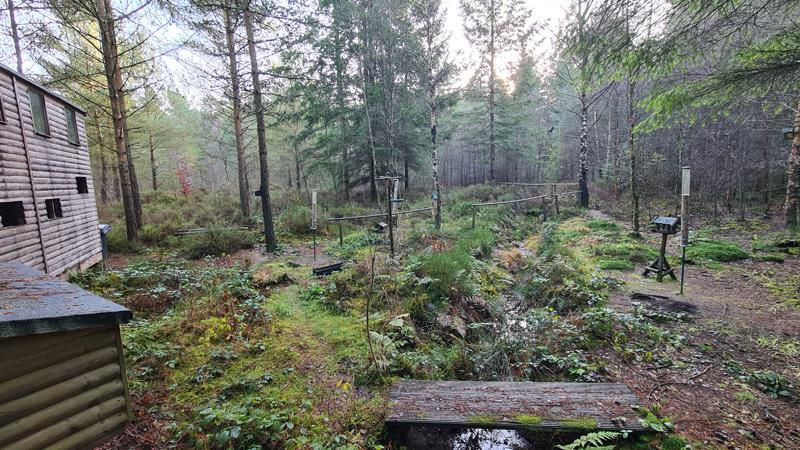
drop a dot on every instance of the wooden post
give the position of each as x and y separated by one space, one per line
389 213
685 182
473 217
544 208
314 219
341 241
555 199
662 258
396 207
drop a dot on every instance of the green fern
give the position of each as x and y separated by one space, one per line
592 441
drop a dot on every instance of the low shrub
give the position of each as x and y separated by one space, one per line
296 220
603 225
216 241
117 241
632 252
477 243
561 284
616 265
715 250
354 243
462 208
444 275
159 233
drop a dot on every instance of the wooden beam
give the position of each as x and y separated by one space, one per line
511 405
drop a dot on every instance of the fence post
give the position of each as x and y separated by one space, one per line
341 241
544 208
473 217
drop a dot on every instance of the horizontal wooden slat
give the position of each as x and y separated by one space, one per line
21 386
59 411
57 353
14 347
21 407
89 437
65 430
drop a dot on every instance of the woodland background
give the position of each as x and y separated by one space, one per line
619 94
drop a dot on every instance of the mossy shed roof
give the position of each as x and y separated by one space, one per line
32 302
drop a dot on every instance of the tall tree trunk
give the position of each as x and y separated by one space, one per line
767 174
269 230
152 147
729 192
289 168
596 149
297 170
153 161
405 171
236 99
105 188
116 95
137 199
582 182
374 193
616 143
632 149
116 186
437 218
15 35
343 134
491 93
793 185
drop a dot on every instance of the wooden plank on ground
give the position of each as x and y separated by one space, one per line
511 405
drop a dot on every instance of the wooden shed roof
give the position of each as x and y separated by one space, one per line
38 86
32 302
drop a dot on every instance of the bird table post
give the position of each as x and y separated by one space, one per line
685 183
314 219
388 181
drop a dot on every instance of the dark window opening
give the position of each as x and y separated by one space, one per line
83 188
53 206
72 125
39 113
12 214
2 111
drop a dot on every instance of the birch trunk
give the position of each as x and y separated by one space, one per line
582 182
793 186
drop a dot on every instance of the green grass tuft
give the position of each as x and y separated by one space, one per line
582 423
768 258
616 265
635 253
672 442
603 225
484 419
526 419
715 250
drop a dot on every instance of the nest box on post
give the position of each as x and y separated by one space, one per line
666 226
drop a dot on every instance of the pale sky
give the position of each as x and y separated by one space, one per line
542 10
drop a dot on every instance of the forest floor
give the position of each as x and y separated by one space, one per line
732 320
738 323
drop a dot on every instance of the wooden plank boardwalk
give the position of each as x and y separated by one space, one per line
511 405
